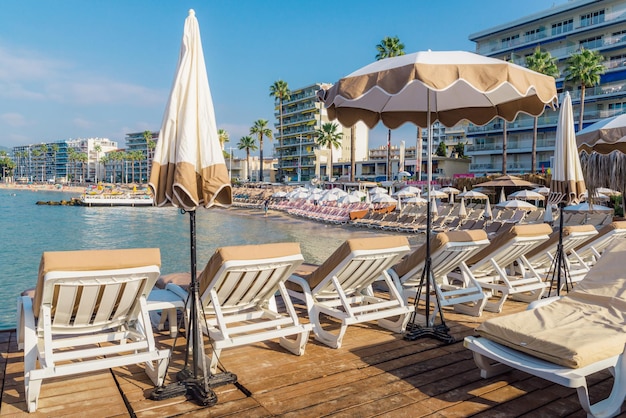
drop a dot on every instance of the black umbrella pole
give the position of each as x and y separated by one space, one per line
561 270
430 329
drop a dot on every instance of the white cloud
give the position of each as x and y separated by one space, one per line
26 75
13 119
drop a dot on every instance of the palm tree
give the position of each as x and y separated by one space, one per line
541 62
260 129
223 137
44 153
584 68
139 157
247 143
98 149
83 158
150 145
328 136
36 153
106 158
55 149
280 90
387 48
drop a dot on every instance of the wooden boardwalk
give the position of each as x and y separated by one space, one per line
375 373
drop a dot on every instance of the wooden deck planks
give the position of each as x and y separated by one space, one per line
374 373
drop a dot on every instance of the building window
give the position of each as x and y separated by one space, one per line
617 106
593 18
510 41
563 27
533 35
592 43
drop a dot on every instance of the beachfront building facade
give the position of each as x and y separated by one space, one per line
140 153
44 162
295 147
560 30
88 167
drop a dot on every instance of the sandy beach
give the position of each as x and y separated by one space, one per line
46 187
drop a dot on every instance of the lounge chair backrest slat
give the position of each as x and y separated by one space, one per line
245 276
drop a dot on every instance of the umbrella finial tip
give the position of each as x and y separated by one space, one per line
192 12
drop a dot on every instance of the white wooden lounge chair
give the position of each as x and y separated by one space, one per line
542 256
502 268
565 341
89 313
341 286
449 250
590 251
237 291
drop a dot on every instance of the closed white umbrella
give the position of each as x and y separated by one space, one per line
189 171
502 196
462 209
488 214
567 184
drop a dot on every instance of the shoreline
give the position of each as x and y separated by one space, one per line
42 187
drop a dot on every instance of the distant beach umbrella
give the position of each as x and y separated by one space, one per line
526 195
347 199
433 207
436 194
472 194
462 209
378 190
487 214
502 196
416 201
279 194
542 190
516 204
358 193
383 198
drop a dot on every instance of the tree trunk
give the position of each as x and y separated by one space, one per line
504 147
261 160
280 143
582 107
533 154
248 163
329 166
352 153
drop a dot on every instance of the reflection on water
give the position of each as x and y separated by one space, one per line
29 229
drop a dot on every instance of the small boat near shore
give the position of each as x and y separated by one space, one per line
115 199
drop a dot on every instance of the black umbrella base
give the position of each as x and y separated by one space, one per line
193 389
438 332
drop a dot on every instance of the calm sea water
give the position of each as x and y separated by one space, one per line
28 229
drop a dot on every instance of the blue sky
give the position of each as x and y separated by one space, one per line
71 69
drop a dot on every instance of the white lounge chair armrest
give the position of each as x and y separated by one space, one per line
300 282
176 289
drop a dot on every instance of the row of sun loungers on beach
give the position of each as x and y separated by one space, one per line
84 298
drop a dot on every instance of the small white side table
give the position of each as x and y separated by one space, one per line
168 303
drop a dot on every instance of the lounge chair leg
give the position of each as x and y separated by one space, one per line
326 337
612 405
156 372
297 345
33 387
473 309
488 369
396 326
496 306
529 296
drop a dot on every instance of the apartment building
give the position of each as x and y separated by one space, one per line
294 147
561 30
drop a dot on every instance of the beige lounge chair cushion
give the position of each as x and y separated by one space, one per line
92 260
244 252
585 326
418 256
501 239
554 238
316 276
